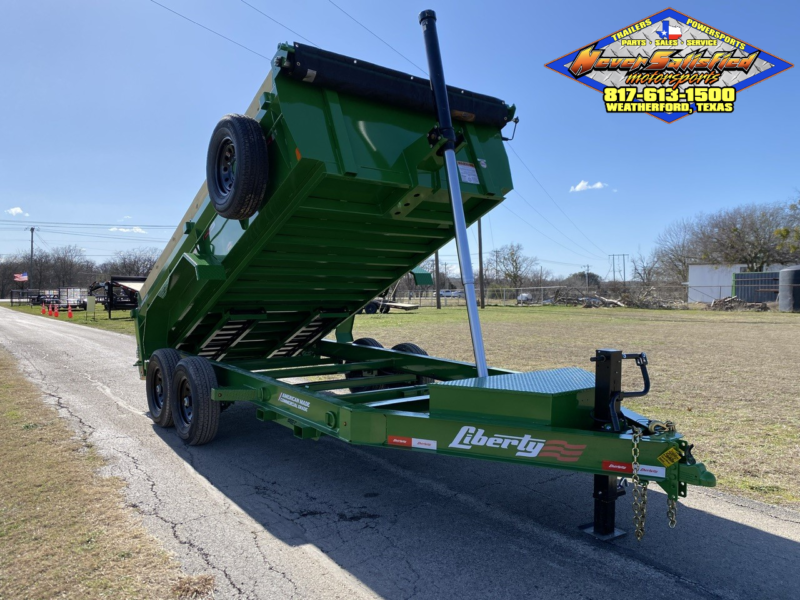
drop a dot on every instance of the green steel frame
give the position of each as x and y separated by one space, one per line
407 414
358 197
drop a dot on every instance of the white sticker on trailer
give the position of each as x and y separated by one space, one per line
468 172
294 402
427 444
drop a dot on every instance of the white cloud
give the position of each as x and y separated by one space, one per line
125 218
585 185
16 211
128 229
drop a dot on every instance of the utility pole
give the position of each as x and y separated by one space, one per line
587 267
624 278
436 280
30 266
541 283
480 266
614 266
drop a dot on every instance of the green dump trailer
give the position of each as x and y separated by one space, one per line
341 178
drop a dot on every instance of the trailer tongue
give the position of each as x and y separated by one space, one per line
341 178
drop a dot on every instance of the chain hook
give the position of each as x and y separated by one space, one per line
639 488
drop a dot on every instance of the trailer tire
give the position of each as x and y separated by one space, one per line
372 343
160 371
195 414
371 308
410 348
385 309
237 170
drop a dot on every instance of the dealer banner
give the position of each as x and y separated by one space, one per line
669 65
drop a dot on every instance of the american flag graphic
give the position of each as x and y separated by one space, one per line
561 451
21 276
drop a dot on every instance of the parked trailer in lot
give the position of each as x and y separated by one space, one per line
343 176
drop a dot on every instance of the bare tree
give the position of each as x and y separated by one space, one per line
69 264
515 266
646 268
745 234
676 248
9 266
137 262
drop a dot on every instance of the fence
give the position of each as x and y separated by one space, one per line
629 294
66 296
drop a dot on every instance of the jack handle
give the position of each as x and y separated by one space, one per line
641 362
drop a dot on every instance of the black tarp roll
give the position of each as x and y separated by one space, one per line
347 75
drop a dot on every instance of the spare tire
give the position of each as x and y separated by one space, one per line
237 171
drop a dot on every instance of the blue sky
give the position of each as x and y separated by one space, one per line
107 108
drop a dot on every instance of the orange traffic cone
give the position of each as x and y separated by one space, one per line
51 311
69 311
56 313
44 310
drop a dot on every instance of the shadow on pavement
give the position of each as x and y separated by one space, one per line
410 524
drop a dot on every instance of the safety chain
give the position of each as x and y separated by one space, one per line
672 512
639 489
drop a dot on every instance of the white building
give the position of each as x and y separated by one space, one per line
712 282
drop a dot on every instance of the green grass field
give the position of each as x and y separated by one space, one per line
726 379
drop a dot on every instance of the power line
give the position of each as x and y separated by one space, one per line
554 227
544 234
377 36
100 235
278 22
175 12
558 206
41 239
63 223
555 262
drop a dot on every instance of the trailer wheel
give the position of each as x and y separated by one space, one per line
372 343
236 167
410 348
160 371
195 414
371 309
385 309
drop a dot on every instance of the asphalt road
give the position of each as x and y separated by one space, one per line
274 517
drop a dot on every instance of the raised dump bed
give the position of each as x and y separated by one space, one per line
342 177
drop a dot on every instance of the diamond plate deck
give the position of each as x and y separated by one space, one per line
555 381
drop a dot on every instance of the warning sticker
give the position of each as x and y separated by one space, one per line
395 440
627 468
621 467
670 457
427 444
468 172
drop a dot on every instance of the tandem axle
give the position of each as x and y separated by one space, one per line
342 177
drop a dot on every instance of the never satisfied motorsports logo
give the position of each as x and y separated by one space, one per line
525 445
669 65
